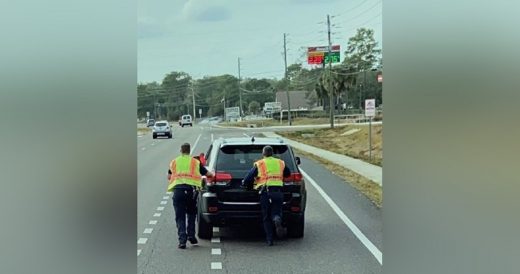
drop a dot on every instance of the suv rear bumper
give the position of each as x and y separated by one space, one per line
225 218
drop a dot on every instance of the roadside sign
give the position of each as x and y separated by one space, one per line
320 55
147 114
200 111
370 107
380 78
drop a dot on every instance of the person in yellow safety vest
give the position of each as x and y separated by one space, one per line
184 178
267 175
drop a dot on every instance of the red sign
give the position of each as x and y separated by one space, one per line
315 60
380 78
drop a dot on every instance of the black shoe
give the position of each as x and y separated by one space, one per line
278 224
182 246
193 241
270 243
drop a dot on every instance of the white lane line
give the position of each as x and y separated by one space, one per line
142 241
216 251
157 214
368 244
160 208
216 265
195 144
168 192
215 240
164 202
246 135
166 197
212 137
152 222
148 230
216 229
138 252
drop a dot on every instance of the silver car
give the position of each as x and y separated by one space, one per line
162 128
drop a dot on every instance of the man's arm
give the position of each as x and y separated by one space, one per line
250 177
204 171
286 172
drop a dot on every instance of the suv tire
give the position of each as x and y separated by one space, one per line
295 229
170 136
154 136
205 229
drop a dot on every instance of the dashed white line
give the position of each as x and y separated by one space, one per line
148 230
216 265
139 252
195 144
368 244
164 202
216 251
215 240
157 214
166 197
216 229
160 208
152 222
142 241
168 192
246 135
212 137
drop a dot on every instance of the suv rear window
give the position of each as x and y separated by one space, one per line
160 124
242 157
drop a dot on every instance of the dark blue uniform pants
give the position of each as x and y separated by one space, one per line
185 204
271 203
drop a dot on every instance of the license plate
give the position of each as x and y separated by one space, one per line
160 133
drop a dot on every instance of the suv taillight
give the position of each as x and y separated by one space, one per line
294 179
219 178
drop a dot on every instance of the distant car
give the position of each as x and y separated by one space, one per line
185 120
162 128
150 122
223 202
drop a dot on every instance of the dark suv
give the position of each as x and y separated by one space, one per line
223 201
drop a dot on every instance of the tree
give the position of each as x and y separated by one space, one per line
362 51
254 107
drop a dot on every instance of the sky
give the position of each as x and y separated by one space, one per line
206 37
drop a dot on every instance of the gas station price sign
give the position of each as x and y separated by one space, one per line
320 55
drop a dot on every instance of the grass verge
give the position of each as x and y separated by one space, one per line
369 188
271 122
354 145
143 131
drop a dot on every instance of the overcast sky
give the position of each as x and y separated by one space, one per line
205 37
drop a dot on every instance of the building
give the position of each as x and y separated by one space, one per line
298 100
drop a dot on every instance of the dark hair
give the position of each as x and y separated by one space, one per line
267 151
185 148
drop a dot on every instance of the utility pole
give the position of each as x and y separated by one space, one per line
193 93
331 93
239 90
287 89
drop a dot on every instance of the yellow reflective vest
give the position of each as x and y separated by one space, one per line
270 172
185 170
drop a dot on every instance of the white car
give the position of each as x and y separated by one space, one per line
185 120
162 128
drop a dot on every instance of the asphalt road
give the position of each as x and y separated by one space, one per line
343 229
